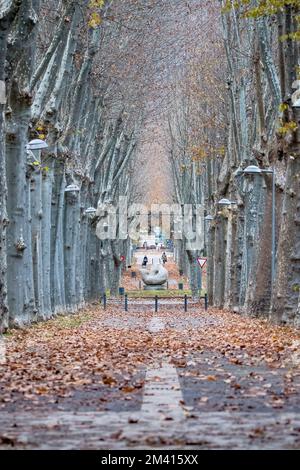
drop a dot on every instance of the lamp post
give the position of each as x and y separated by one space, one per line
207 220
255 170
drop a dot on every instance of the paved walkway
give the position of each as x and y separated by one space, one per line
185 393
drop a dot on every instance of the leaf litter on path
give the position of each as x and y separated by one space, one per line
97 350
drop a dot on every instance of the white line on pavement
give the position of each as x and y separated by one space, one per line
162 394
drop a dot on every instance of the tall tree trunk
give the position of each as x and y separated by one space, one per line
19 275
58 299
7 16
3 224
71 247
286 292
47 253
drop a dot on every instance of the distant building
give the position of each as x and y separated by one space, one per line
152 240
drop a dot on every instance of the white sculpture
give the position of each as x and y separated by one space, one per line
157 276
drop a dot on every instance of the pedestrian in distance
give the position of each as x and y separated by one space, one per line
164 258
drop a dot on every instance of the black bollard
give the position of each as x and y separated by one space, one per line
126 303
156 304
104 301
206 301
185 303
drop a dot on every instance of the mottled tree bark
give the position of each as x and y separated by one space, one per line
286 292
7 14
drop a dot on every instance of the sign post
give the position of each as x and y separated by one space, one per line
199 279
201 262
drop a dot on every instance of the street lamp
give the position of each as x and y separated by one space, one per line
252 170
34 147
72 188
36 144
90 211
226 202
255 170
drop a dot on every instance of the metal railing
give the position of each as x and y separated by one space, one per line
125 300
